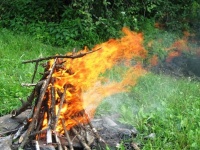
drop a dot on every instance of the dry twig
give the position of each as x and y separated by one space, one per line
60 56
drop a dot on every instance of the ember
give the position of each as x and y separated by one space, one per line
66 97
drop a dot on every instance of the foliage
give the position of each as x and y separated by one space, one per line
86 22
195 17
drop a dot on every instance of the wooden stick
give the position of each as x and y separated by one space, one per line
60 107
45 74
22 137
135 146
39 132
40 121
29 101
81 139
53 103
65 147
36 67
37 147
19 132
60 56
96 133
49 136
28 84
67 135
37 108
100 140
58 141
49 119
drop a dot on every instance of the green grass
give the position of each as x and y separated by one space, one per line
13 50
160 104
166 106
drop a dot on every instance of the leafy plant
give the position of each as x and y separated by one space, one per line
61 23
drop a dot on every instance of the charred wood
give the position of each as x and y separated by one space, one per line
53 103
38 106
60 107
58 141
36 67
67 136
81 139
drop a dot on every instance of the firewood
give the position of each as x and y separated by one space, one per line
39 121
60 56
39 132
67 135
19 132
53 103
81 139
37 147
22 137
36 67
29 101
60 107
37 108
28 84
58 141
98 137
49 136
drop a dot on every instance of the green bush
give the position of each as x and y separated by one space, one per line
82 22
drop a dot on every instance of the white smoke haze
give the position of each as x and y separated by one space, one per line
148 96
151 94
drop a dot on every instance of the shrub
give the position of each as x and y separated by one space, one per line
78 22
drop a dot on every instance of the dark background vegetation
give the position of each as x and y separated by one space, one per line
87 22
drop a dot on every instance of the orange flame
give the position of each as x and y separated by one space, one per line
85 86
178 47
154 60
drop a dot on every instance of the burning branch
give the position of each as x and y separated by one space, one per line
52 107
60 56
38 106
60 107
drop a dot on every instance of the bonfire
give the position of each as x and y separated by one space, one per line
63 102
